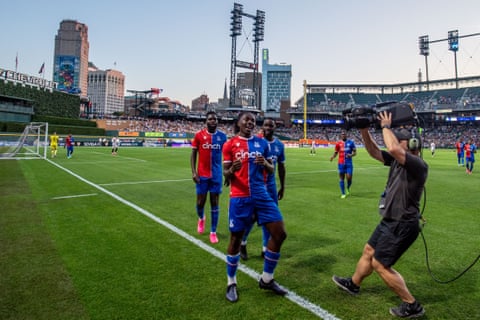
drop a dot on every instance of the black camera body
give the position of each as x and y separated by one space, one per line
365 116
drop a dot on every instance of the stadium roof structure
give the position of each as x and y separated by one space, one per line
408 87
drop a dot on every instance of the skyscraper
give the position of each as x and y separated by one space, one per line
70 62
276 83
106 91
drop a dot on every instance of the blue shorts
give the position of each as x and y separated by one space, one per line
243 212
209 185
346 168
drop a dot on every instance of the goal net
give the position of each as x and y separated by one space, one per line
31 144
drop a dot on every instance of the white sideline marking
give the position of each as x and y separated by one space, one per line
75 196
141 182
292 296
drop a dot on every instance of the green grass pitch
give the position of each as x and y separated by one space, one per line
114 237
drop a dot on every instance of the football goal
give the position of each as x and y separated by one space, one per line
31 144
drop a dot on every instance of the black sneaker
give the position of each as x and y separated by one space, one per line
346 284
232 294
272 285
408 310
243 252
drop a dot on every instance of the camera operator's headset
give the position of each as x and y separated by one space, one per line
413 137
415 142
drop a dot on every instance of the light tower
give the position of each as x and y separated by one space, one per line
453 46
236 30
259 32
452 39
425 51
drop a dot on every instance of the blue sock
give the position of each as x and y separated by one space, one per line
215 212
266 236
200 212
342 186
349 183
232 265
270 262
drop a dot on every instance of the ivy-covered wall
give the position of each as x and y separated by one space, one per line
46 103
60 110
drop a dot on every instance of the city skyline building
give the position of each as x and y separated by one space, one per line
106 91
200 103
276 84
245 95
70 62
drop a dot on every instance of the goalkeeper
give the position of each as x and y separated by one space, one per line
54 144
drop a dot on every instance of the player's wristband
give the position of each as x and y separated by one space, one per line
386 127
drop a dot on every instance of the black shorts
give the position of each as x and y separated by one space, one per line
391 239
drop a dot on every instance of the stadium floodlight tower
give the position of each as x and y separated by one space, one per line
236 30
453 46
425 51
259 33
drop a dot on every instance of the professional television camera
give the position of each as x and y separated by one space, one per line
363 117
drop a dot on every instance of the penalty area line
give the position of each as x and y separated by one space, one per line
75 196
292 296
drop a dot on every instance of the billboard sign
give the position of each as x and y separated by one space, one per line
67 73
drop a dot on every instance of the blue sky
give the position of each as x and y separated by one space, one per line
184 46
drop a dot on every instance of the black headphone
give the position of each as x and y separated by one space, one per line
415 142
412 136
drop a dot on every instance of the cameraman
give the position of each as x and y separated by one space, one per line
399 208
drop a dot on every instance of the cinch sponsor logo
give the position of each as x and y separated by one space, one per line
245 154
211 146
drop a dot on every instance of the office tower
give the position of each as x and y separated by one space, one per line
70 63
276 83
106 90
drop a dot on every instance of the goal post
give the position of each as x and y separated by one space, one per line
31 144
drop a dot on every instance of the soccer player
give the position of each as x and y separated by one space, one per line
277 150
208 176
245 158
54 144
460 146
470 150
399 208
432 148
115 143
345 149
69 142
313 148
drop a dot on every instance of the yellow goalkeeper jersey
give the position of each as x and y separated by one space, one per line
53 139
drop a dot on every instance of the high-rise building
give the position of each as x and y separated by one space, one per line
70 62
276 83
106 90
244 93
200 103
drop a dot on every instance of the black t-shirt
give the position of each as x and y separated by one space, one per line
404 188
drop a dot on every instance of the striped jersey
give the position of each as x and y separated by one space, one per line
343 148
249 180
209 148
277 151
